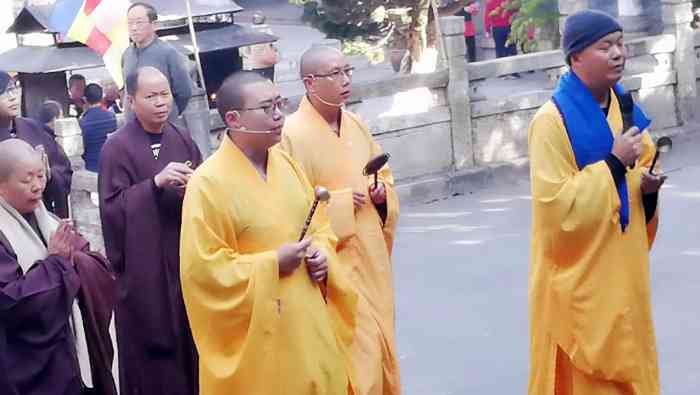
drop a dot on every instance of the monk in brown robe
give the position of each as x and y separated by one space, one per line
144 169
56 297
13 126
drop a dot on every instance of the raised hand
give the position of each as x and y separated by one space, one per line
61 242
175 175
289 256
652 183
378 194
628 146
316 264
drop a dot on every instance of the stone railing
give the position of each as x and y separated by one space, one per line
499 124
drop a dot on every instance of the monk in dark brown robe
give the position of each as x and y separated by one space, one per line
36 134
56 297
144 170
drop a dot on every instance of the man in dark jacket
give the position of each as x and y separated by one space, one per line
96 124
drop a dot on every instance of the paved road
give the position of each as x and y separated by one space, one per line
461 268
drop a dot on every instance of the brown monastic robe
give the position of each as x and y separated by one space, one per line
141 228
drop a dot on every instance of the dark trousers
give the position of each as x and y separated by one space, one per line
471 48
500 36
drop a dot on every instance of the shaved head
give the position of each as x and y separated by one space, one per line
232 93
142 74
316 59
15 153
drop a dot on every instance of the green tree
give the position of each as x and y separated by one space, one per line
533 15
371 24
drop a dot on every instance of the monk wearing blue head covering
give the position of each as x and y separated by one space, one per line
594 221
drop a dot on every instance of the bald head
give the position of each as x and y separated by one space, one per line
14 154
318 59
142 76
233 91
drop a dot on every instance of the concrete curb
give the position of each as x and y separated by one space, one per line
438 187
442 186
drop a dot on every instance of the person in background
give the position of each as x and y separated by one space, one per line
51 110
149 50
96 123
112 97
469 29
76 95
261 58
498 18
144 170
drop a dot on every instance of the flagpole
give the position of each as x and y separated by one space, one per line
193 36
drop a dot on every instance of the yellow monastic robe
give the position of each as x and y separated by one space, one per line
336 162
589 289
257 333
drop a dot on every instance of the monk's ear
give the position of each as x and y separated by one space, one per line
130 99
308 82
233 119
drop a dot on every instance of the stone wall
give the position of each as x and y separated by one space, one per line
499 125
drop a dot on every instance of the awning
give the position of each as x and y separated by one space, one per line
34 59
49 59
35 15
210 40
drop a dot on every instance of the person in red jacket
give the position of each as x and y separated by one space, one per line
469 29
497 21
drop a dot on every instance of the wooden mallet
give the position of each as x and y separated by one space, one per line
322 195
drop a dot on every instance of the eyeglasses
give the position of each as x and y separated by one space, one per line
12 89
335 75
139 23
280 104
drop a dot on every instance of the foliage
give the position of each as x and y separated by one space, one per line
365 26
533 15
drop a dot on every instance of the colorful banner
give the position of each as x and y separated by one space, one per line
99 24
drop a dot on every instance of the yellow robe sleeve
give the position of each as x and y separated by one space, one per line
341 209
340 296
385 176
227 293
578 204
648 153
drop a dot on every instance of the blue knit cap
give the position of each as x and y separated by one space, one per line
584 28
5 79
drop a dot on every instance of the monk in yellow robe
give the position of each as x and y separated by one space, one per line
254 294
594 221
333 145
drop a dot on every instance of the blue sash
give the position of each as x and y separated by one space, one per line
589 131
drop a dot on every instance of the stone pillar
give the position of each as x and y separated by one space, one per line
568 7
196 117
452 28
70 137
83 196
632 16
676 16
